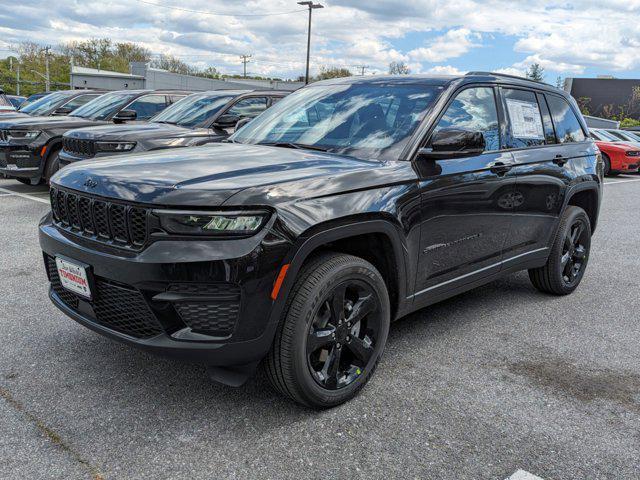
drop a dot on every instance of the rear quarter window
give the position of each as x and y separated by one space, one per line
525 119
565 121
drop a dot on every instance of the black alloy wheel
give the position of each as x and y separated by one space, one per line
574 252
343 335
569 255
333 331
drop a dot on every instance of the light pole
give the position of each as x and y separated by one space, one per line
312 6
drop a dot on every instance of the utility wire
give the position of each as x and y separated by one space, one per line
221 14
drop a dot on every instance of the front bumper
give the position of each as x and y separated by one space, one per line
20 161
219 316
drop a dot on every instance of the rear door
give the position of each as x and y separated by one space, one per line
548 146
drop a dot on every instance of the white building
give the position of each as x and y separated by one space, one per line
142 76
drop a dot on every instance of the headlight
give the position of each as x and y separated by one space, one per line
632 153
212 223
115 146
21 134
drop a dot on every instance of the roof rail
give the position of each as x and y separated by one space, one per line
496 74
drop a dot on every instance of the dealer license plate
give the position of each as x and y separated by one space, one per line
73 277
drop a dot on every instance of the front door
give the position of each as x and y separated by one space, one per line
467 203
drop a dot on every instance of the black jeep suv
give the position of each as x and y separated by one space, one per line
349 204
30 146
196 120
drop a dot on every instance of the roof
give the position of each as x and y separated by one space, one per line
442 80
75 70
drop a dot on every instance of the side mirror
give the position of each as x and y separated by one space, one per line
62 111
226 121
125 116
454 143
242 122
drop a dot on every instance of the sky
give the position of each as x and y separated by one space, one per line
568 38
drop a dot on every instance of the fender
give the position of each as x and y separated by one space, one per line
310 244
590 185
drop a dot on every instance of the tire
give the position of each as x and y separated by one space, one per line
561 275
26 181
302 373
607 165
52 166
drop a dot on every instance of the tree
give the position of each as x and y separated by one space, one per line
535 72
559 82
399 68
173 64
332 72
584 103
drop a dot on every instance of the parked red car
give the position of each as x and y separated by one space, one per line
619 157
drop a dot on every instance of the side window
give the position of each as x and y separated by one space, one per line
568 127
79 101
175 98
275 100
549 132
147 106
524 118
474 109
249 107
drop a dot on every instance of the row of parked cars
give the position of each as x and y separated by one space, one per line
296 242
73 125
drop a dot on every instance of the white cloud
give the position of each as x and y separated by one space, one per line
568 36
444 70
452 44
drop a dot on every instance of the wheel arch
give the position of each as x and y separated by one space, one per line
377 241
587 197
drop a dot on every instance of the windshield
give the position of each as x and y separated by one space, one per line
44 104
632 136
368 120
103 107
194 109
4 101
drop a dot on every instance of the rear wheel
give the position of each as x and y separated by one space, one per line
607 166
26 181
333 333
569 255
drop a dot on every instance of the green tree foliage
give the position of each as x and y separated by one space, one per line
399 68
332 72
103 54
630 122
535 72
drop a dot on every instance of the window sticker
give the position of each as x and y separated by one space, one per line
526 121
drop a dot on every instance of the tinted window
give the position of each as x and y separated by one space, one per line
249 107
194 109
525 125
567 126
474 109
45 104
79 101
147 106
103 107
365 120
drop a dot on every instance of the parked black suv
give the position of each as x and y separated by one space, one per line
347 205
196 120
29 147
57 103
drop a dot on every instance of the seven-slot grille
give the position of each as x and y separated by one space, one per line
121 225
77 146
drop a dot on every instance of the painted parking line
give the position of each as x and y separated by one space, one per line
522 475
622 181
23 195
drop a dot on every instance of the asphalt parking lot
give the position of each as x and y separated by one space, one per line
499 379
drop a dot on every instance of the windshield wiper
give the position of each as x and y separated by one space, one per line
165 121
296 146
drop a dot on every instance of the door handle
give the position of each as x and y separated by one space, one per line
500 168
560 160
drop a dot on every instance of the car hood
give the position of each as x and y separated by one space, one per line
48 122
205 176
142 131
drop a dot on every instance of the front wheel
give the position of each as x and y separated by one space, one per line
333 332
569 255
52 166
